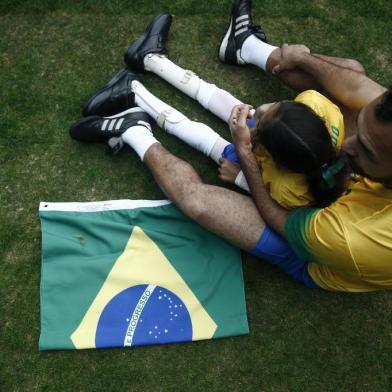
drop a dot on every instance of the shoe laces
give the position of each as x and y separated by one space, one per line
256 29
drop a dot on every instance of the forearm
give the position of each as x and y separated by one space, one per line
350 88
271 212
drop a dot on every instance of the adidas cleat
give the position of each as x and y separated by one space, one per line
96 129
240 28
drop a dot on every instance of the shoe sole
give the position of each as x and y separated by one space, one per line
225 40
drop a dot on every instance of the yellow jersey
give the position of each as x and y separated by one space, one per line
290 189
349 243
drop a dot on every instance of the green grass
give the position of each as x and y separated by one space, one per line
53 54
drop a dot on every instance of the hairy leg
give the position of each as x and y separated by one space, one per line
352 64
228 214
299 80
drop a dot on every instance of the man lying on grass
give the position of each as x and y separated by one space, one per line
344 246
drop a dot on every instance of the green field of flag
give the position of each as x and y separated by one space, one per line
127 273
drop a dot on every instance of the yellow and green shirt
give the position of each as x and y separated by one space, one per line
349 243
290 189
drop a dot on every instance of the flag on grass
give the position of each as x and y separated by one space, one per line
128 273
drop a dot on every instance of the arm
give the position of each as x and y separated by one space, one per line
350 88
272 213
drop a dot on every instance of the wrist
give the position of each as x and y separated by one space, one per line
243 148
308 62
303 59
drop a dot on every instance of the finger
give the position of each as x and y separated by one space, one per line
276 70
238 109
239 115
244 106
234 112
243 115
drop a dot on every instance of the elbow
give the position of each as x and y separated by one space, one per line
356 66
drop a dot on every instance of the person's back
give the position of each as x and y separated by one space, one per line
348 243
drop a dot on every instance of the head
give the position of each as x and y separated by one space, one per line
298 140
370 149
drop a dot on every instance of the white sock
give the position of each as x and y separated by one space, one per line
140 138
185 80
255 51
241 182
217 101
150 103
217 149
199 136
195 134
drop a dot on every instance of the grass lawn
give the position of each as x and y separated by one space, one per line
53 54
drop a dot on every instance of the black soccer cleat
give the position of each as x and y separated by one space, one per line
115 97
97 129
240 28
153 40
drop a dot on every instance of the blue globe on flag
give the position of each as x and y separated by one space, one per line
142 315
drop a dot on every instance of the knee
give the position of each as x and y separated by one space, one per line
192 205
181 189
194 210
356 66
274 59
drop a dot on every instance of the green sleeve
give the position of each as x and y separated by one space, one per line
297 230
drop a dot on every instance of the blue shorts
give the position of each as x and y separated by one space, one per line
230 153
272 248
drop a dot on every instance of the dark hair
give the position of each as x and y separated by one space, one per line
383 110
298 140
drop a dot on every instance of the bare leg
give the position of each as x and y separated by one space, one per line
299 80
228 214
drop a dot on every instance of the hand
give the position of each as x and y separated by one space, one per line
290 56
238 125
228 171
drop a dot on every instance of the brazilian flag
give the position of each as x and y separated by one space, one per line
127 273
